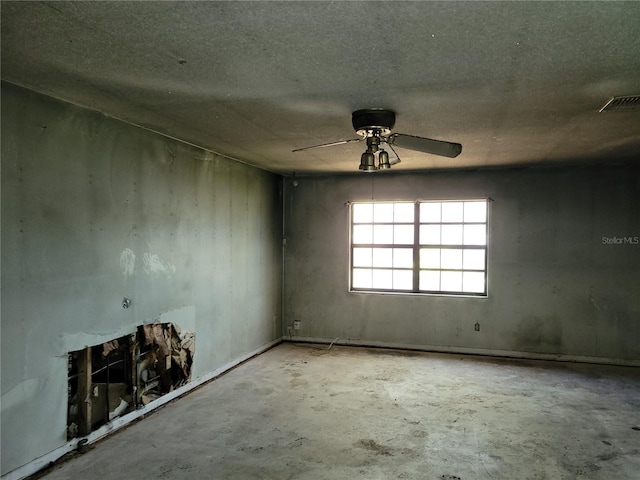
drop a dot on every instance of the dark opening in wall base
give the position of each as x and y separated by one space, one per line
111 379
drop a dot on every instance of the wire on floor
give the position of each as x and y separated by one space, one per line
313 346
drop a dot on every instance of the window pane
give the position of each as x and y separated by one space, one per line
451 282
383 234
451 234
362 278
430 212
403 212
362 257
429 234
452 239
382 257
473 259
363 234
429 258
403 234
383 279
403 257
451 258
452 211
403 279
383 213
475 211
475 235
362 212
473 282
429 280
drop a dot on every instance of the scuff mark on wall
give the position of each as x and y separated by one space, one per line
128 262
596 304
154 264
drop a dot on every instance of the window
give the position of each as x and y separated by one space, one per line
423 247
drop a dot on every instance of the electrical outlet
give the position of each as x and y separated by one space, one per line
296 324
477 327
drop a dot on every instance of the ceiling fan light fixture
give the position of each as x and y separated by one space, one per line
383 160
368 162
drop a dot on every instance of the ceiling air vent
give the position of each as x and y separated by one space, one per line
622 104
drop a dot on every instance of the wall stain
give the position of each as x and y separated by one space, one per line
154 264
128 262
540 334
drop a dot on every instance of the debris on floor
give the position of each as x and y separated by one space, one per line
373 446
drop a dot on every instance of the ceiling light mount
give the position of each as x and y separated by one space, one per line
370 121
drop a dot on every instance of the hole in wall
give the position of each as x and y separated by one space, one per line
164 360
108 380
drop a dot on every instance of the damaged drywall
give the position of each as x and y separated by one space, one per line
95 211
108 380
164 362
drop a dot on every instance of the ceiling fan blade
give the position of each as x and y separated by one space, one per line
393 156
426 145
340 142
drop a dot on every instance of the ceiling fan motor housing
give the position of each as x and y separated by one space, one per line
370 120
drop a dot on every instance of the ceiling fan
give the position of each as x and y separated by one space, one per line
374 125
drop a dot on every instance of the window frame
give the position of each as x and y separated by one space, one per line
416 248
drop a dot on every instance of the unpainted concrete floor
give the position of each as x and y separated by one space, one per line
305 412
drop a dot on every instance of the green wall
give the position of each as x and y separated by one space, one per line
555 288
95 210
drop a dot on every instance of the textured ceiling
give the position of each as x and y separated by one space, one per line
514 82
